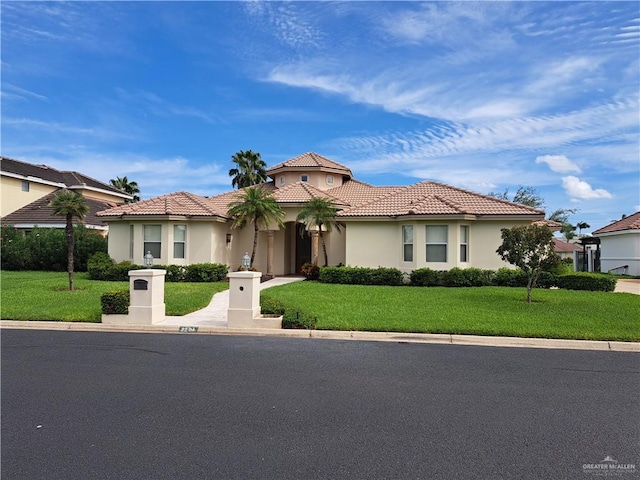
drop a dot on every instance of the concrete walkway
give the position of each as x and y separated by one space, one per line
631 285
215 314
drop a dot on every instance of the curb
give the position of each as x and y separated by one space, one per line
399 337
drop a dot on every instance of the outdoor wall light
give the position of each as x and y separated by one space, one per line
246 261
148 260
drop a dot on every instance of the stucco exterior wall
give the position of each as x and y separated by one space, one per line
379 244
13 198
317 179
618 249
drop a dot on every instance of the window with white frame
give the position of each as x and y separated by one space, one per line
464 243
25 186
407 243
152 240
436 240
179 239
304 178
329 179
282 179
131 250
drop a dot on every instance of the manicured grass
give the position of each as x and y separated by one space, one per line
479 311
44 296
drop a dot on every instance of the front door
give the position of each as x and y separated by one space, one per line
303 250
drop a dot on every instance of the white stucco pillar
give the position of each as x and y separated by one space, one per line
146 288
244 302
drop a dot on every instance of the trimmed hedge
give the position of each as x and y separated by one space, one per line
588 281
115 302
292 318
361 276
102 267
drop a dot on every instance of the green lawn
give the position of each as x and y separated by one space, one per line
478 311
44 296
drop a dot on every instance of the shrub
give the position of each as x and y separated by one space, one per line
507 277
361 276
98 265
588 281
205 272
115 302
547 280
468 277
270 306
311 271
45 249
175 273
425 277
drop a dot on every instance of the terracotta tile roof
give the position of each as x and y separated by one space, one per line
300 192
50 174
311 160
565 247
179 203
354 192
632 222
432 198
40 213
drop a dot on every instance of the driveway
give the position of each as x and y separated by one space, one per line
628 286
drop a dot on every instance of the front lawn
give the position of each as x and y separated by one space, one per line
477 311
44 296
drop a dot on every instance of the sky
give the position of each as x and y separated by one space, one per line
485 96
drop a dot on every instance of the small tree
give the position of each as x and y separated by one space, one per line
320 213
529 248
255 205
250 169
69 204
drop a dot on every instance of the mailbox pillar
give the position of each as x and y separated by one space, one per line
147 296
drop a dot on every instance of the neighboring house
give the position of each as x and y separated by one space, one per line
428 224
27 190
620 245
565 249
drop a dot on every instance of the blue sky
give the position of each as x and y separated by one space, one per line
481 95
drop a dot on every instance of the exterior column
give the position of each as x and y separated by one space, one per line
270 235
314 246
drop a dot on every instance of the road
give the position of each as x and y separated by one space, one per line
92 405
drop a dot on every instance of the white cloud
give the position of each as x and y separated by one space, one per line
579 189
559 163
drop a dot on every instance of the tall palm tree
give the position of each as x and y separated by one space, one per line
69 204
580 226
127 187
320 213
255 205
250 169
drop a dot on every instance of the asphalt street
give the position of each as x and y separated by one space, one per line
94 405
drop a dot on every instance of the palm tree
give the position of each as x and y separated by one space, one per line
250 170
580 226
255 205
69 204
320 213
127 187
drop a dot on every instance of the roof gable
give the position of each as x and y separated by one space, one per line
632 222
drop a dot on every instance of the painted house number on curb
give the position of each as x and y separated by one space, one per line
188 329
